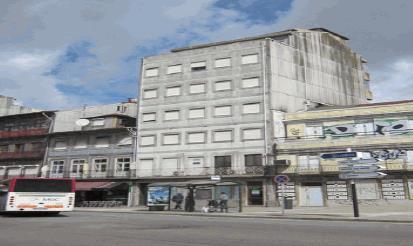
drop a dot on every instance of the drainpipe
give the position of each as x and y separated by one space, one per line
46 153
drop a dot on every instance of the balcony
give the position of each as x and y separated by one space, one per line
21 155
23 133
333 169
109 174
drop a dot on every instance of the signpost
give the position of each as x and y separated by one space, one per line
355 169
339 155
282 180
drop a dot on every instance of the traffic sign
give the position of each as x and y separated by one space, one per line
339 155
361 161
281 179
359 168
371 175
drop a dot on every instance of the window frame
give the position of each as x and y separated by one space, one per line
251 54
223 58
151 68
231 86
223 141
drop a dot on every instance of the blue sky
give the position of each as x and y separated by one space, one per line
65 54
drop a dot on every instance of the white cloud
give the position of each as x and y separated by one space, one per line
396 81
35 33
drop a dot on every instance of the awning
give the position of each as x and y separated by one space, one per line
111 186
193 183
87 186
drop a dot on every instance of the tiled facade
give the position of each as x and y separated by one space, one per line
382 131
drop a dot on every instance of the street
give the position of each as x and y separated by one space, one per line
100 229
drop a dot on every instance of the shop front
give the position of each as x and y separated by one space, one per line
102 194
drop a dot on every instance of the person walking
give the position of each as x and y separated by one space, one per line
178 199
189 201
223 202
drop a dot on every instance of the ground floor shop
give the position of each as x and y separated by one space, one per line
331 191
102 194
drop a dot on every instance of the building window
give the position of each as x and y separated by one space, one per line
21 147
170 139
223 161
253 160
60 144
98 122
148 140
222 136
148 117
251 108
125 141
197 88
169 166
152 72
150 93
223 62
100 165
173 91
171 115
102 142
4 148
223 85
195 113
196 137
249 59
225 110
309 162
250 82
36 146
314 131
123 164
80 143
77 166
174 69
57 166
252 134
198 66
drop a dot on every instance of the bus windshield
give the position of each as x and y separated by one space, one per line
43 185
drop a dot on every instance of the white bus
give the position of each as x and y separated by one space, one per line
42 195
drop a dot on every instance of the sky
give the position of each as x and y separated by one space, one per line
65 54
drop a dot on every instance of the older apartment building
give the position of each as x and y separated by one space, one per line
382 131
94 144
23 143
214 109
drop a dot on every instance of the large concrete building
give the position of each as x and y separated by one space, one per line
214 109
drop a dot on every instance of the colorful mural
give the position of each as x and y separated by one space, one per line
381 127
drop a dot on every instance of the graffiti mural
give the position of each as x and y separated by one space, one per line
389 154
391 126
381 127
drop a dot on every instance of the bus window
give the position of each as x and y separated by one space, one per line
43 185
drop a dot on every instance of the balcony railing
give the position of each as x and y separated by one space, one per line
23 133
21 155
109 174
326 169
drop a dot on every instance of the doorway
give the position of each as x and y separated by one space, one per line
255 193
311 195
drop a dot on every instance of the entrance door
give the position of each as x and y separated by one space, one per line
311 196
255 193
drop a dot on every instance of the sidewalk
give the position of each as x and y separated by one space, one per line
367 213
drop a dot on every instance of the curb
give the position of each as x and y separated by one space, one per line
274 217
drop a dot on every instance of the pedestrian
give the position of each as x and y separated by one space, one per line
223 202
178 199
189 201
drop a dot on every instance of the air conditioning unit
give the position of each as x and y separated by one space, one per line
282 162
269 171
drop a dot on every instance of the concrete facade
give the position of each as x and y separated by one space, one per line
212 109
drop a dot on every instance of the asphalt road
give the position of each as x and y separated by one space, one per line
113 229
